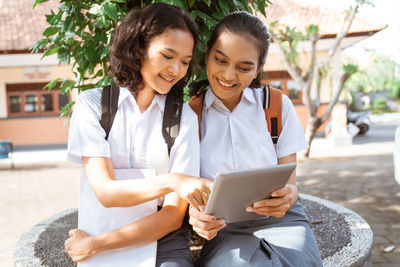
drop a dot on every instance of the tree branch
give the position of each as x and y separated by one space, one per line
344 29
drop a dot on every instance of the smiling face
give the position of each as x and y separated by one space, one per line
166 60
232 64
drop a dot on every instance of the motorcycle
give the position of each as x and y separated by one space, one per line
357 123
359 119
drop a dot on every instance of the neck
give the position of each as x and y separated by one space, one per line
144 98
231 103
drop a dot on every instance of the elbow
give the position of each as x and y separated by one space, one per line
176 224
106 198
175 219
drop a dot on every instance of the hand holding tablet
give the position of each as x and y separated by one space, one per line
234 191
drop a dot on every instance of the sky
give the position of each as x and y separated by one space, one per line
387 41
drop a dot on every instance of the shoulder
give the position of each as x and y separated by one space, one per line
188 115
90 97
89 101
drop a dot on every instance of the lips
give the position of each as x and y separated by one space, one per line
167 78
226 85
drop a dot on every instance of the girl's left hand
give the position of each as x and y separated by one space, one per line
80 245
277 206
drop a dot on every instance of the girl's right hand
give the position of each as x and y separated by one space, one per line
79 245
204 225
192 189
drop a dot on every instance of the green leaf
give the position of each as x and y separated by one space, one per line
111 10
51 31
180 3
90 53
50 51
66 86
51 84
101 38
39 45
224 6
104 53
38 2
66 110
118 1
202 15
191 3
207 2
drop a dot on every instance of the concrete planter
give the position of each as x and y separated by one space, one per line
343 237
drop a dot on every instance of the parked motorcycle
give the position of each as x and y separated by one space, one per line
357 123
359 119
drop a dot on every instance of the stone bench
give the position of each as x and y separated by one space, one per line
343 237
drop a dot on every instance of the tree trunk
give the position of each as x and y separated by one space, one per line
312 126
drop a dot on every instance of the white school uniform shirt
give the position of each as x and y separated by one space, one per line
135 139
240 139
135 143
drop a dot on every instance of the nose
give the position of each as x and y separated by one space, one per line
173 68
229 74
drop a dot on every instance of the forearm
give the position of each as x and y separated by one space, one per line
148 229
292 180
123 193
126 193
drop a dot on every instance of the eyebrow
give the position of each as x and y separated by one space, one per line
244 62
173 51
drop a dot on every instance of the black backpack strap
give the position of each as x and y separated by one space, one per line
172 118
109 107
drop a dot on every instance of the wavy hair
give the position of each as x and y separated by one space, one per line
134 35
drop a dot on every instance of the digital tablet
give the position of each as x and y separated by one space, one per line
234 191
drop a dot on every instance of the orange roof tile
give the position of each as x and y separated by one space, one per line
21 25
296 13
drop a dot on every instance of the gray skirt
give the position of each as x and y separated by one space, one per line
173 249
288 241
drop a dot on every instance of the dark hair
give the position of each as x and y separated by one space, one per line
134 35
244 23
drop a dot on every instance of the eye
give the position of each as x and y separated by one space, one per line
220 60
185 63
244 69
166 56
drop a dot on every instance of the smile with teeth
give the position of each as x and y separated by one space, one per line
226 84
166 78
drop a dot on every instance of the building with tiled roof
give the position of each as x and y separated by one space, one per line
297 13
21 25
27 112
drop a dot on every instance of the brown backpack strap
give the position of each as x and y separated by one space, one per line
273 111
196 103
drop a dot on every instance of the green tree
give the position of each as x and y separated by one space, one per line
379 74
311 77
79 32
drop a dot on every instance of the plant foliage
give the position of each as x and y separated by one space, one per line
79 32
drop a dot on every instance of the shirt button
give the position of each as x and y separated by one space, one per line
236 143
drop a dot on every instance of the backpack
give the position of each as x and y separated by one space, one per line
171 118
272 103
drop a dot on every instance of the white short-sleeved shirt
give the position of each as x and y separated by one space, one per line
240 139
135 139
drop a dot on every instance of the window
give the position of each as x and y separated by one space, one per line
31 100
282 80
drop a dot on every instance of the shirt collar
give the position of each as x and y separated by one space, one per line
210 97
158 99
123 94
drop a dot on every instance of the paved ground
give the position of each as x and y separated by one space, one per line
359 177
